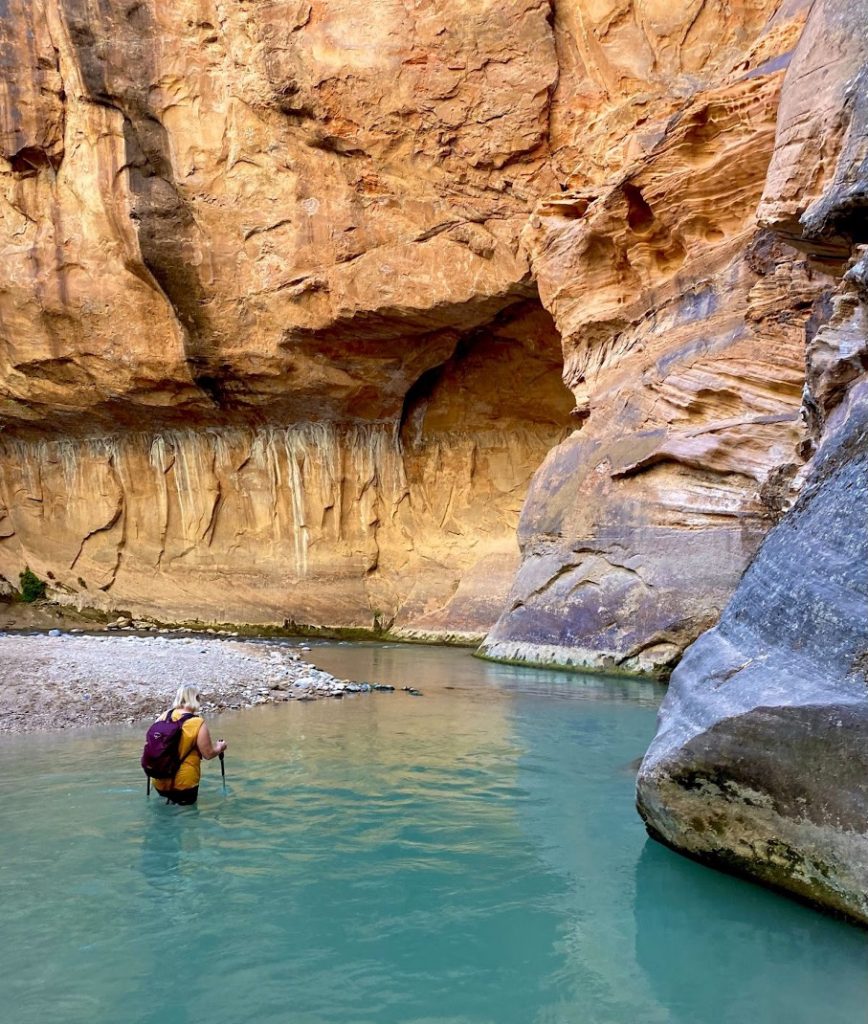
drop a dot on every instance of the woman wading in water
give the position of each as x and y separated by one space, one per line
194 744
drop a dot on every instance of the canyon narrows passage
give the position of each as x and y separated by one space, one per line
523 323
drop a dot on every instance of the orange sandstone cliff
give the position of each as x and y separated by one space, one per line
449 316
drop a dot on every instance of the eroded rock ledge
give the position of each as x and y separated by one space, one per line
289 291
761 757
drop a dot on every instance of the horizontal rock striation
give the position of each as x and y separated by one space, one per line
759 764
683 325
290 293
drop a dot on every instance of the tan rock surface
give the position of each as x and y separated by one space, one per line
271 339
683 327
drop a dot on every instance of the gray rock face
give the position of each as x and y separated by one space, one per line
760 763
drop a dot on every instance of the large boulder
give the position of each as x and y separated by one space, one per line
760 763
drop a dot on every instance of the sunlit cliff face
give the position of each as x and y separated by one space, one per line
289 292
411 519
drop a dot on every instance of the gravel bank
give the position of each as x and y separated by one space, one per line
57 682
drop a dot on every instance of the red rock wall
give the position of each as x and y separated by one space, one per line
288 291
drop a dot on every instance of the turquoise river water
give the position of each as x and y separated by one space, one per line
467 857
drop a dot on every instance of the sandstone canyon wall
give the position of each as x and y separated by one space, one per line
301 303
761 757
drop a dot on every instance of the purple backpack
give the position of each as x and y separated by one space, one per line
160 758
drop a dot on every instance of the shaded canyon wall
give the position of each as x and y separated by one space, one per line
296 298
759 764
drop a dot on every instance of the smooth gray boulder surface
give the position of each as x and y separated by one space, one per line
760 763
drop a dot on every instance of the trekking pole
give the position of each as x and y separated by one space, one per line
222 770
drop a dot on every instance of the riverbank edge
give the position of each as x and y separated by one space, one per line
54 680
522 655
568 659
55 612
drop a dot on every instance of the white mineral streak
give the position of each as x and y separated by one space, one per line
283 495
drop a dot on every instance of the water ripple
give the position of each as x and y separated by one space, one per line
471 857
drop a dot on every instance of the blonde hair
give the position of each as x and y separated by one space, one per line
187 697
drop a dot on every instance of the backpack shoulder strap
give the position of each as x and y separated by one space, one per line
181 721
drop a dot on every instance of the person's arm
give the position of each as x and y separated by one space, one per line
207 748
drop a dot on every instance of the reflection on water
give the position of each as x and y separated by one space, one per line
763 957
470 856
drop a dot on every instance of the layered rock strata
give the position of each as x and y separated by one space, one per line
270 351
288 291
759 764
683 325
